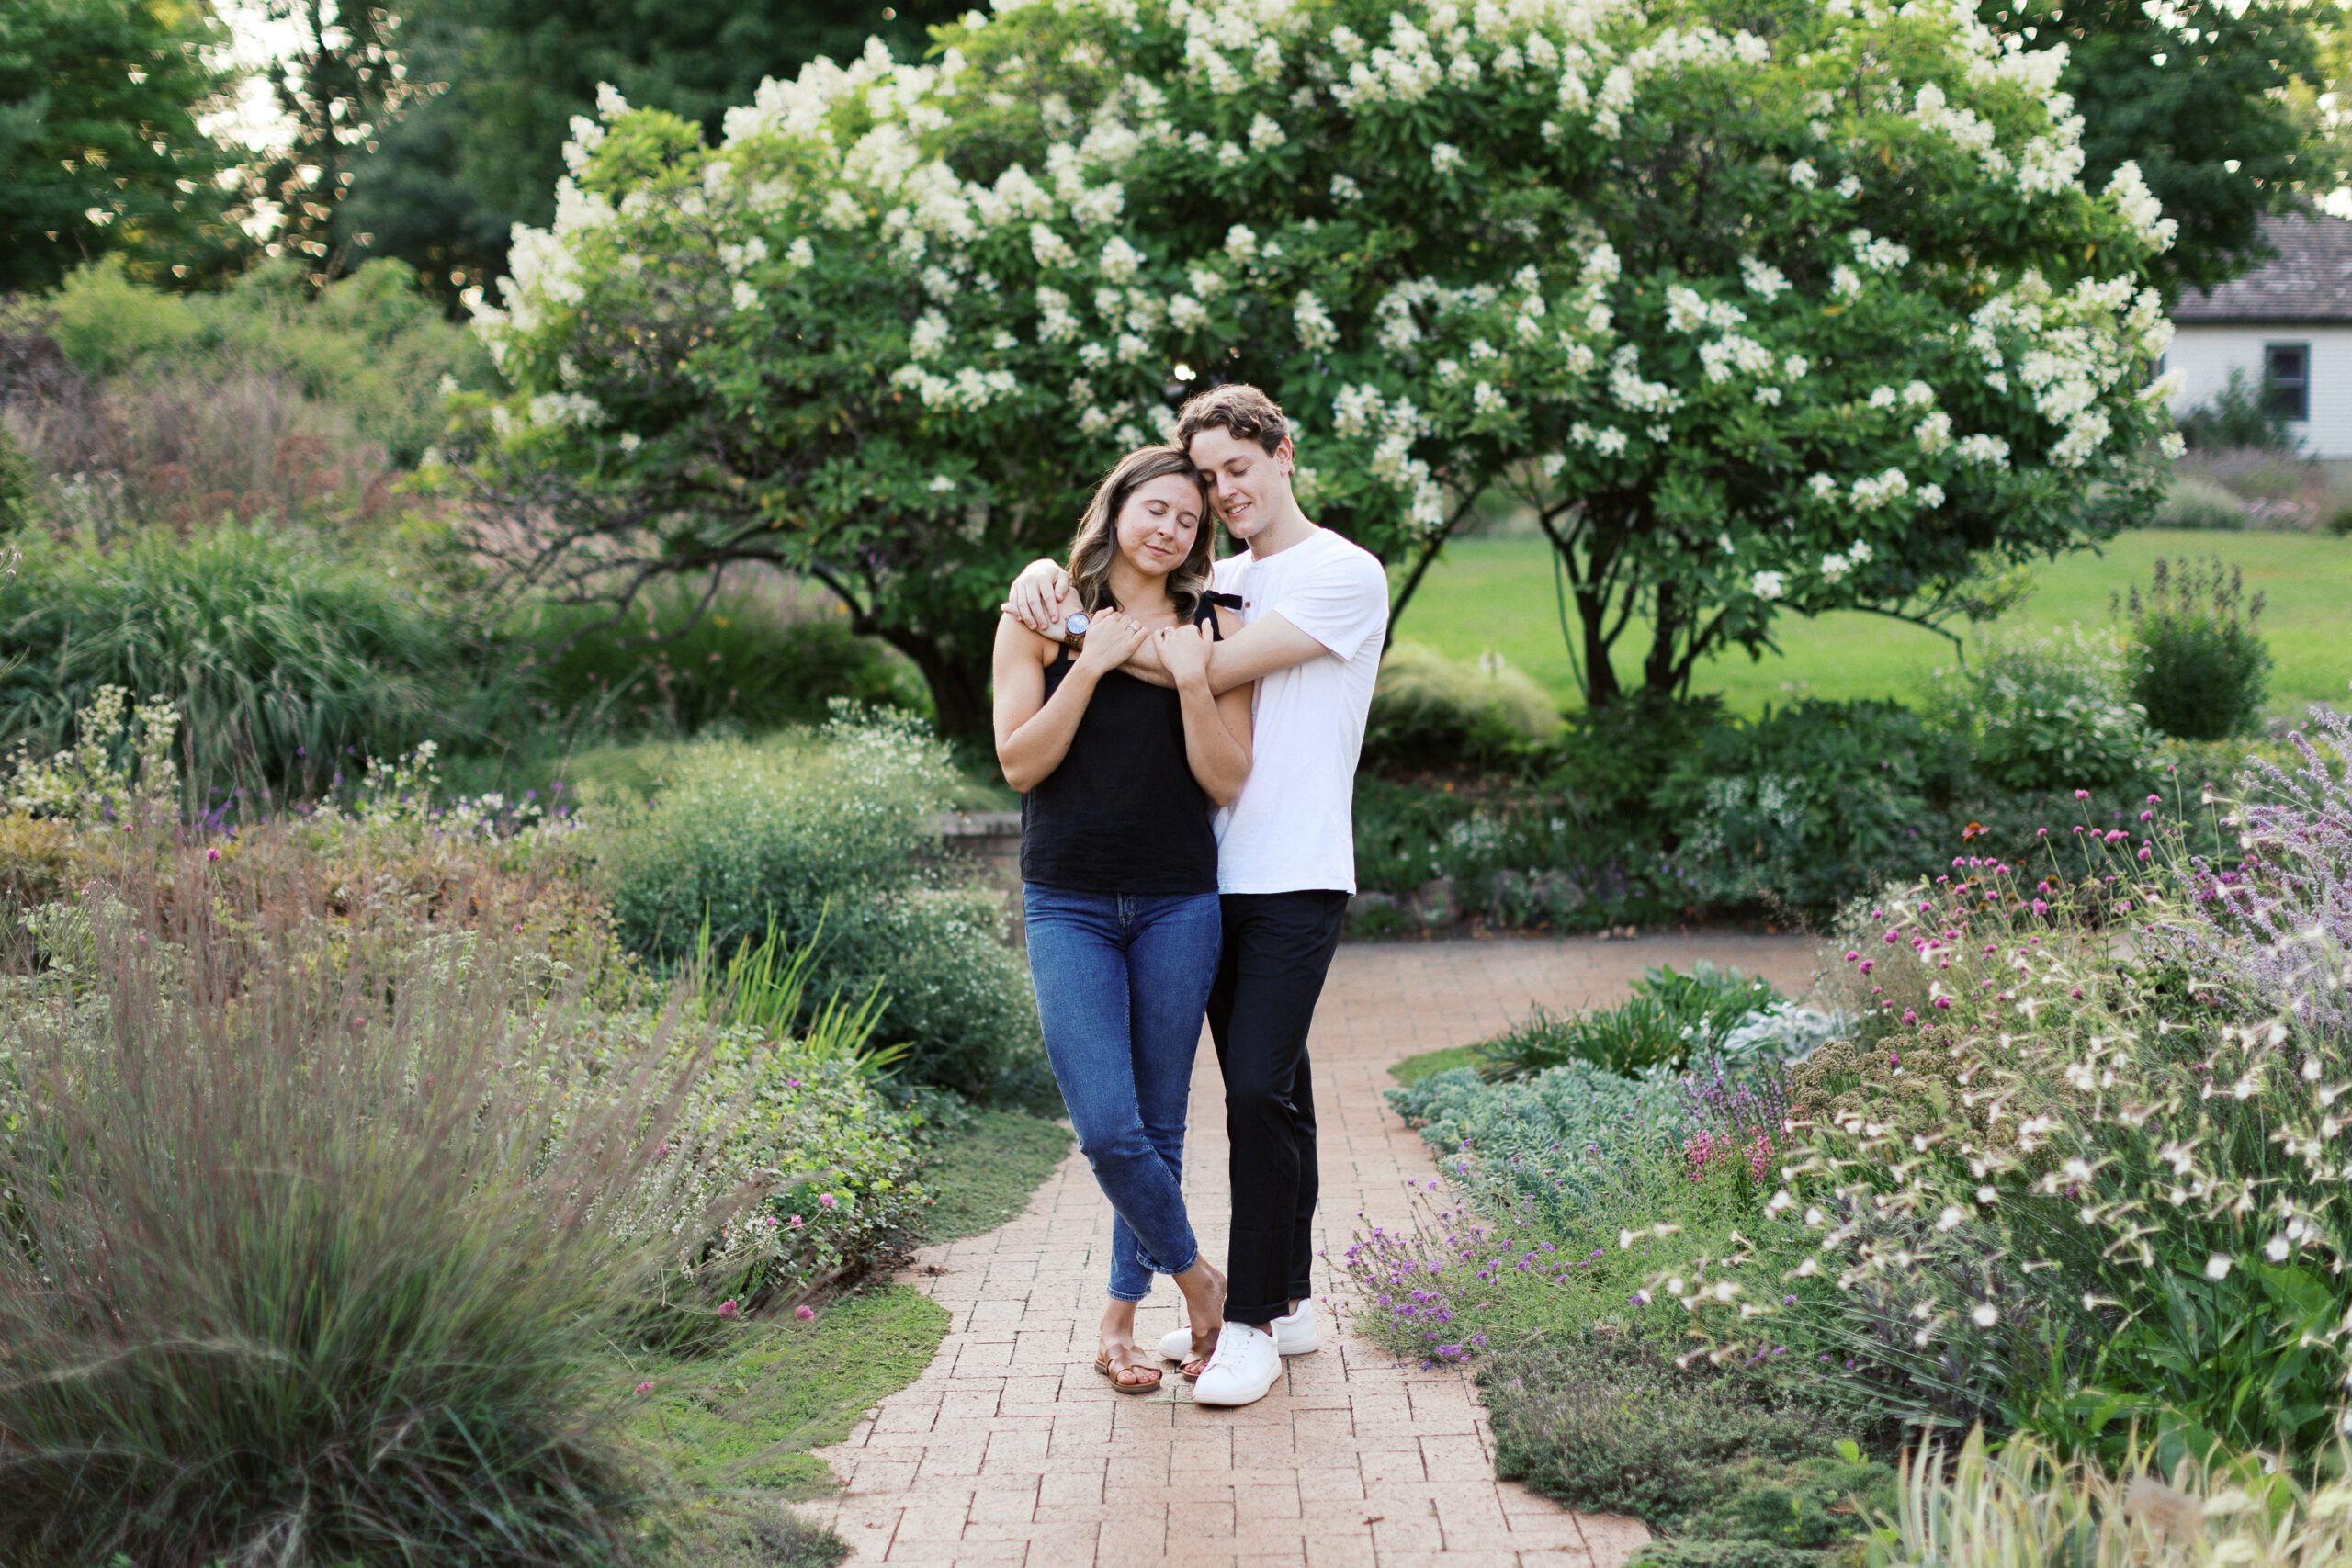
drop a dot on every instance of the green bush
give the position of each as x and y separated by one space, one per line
825 838
1432 712
752 659
2240 417
290 662
2198 665
1805 803
2194 502
2047 712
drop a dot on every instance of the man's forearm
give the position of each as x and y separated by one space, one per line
1143 665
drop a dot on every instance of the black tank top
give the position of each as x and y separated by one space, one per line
1123 813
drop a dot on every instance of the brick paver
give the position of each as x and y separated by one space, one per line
1011 1451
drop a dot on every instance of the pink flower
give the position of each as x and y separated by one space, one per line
2082 794
213 854
1851 955
769 1220
2143 851
645 1388
2040 908
1943 1002
729 1310
1868 965
804 1313
825 1200
797 1222
1910 1016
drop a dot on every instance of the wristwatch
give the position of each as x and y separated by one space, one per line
1074 628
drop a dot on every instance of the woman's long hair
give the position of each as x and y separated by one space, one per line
1096 543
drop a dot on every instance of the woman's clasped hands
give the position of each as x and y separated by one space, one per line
1110 636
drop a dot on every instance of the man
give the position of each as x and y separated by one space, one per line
1315 614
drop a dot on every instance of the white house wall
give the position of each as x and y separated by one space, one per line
2204 355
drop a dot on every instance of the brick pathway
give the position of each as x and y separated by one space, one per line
1011 1451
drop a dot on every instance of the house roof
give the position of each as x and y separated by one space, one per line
2310 278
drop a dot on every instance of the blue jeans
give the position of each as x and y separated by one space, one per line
1123 983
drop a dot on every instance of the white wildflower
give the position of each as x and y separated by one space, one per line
1767 585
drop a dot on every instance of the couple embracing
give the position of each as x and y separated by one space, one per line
1185 731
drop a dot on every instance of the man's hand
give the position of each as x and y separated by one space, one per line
1184 654
1039 599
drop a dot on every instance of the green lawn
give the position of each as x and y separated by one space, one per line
1497 594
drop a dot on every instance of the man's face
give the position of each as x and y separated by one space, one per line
1248 485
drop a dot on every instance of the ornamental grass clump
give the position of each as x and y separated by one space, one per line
2022 1504
311 1258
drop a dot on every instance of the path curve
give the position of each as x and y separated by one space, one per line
1009 1450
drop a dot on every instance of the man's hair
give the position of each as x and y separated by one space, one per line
1245 412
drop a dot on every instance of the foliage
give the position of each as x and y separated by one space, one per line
2049 712
824 838
289 661
853 340
268 1212
369 348
480 149
2196 502
2198 666
1517 858
1430 712
2200 99
100 147
745 660
1607 1423
2065 1235
2239 418
2023 1503
337 80
1805 803
1668 1018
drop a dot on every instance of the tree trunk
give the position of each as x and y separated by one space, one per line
959 688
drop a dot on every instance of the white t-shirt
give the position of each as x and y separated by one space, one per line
1292 828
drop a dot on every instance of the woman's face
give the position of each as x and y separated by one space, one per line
1158 522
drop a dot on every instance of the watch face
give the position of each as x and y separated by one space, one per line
1076 625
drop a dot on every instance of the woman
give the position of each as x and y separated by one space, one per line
1118 864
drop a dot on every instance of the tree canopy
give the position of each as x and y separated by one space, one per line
1758 313
99 149
501 81
2202 98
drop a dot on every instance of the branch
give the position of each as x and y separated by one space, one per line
1429 554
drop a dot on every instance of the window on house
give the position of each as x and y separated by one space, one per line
2287 377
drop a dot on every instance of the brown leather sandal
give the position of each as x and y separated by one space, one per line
1103 1365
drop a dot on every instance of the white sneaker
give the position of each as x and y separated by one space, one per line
1294 1335
1243 1368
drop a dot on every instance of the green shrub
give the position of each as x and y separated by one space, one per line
288 660
2192 500
754 659
1668 1016
827 840
1607 1423
2047 712
2197 666
1432 712
2240 417
1803 804
318 1258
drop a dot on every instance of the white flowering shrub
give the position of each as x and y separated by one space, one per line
1807 317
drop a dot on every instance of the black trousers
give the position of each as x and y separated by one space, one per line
1278 948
